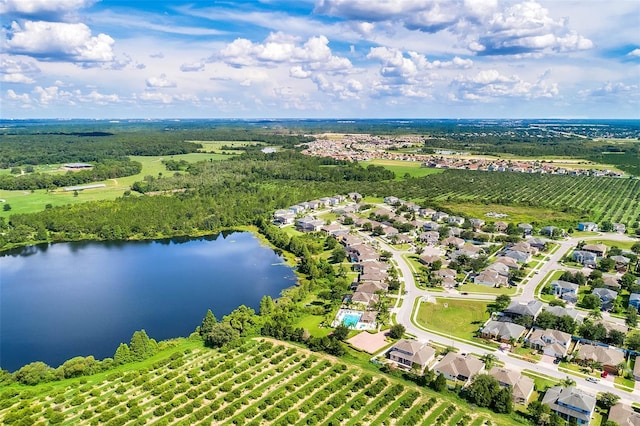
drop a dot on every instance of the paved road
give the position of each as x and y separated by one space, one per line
404 315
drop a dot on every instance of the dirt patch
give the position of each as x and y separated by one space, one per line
370 343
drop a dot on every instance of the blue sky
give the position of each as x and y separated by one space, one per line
320 58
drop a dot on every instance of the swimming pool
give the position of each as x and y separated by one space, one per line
351 320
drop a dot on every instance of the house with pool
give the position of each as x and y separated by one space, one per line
356 320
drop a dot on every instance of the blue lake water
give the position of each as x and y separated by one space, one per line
63 300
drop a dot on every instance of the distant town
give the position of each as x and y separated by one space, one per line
366 147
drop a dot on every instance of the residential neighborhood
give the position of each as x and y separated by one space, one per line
554 285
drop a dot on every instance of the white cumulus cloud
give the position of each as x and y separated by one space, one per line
40 7
635 53
58 41
490 84
162 81
279 48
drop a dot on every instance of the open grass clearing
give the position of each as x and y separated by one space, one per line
516 214
459 318
484 289
624 245
403 168
33 201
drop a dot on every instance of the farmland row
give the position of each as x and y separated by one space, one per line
593 198
254 383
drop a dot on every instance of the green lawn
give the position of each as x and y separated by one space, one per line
312 323
625 245
478 288
459 318
402 168
541 383
515 214
29 202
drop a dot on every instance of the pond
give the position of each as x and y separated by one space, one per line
63 300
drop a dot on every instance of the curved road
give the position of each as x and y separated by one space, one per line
405 316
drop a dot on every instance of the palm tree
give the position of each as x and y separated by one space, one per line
595 314
567 381
489 360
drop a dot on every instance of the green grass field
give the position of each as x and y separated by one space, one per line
459 318
483 289
402 168
216 146
516 214
29 202
259 381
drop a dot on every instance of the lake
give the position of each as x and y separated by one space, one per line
63 300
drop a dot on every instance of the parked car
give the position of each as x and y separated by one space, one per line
592 379
556 361
604 374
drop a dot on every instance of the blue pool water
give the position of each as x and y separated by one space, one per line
350 320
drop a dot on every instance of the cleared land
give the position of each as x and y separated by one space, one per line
402 168
459 318
257 382
28 202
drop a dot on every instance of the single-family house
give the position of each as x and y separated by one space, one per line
620 228
509 262
410 353
427 259
526 228
611 281
355 196
524 247
367 299
607 297
502 331
585 257
600 250
284 217
351 240
634 300
314 204
431 226
559 311
309 224
570 403
390 231
500 268
455 367
470 251
373 277
609 326
588 226
426 212
565 290
538 244
452 242
518 256
477 223
331 229
430 238
551 342
491 278
439 216
517 309
551 231
521 386
624 415
636 370
362 253
297 209
607 357
622 262
370 287
391 200
501 226
455 220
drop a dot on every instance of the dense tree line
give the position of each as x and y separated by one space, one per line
53 144
139 348
106 169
